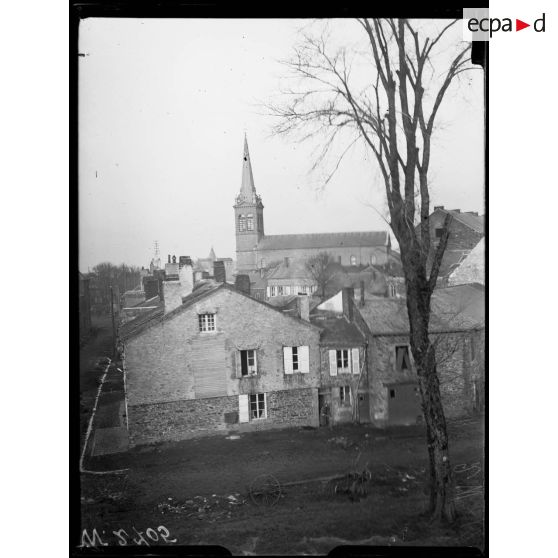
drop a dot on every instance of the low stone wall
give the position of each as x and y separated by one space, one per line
194 418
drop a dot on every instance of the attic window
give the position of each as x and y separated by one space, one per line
439 232
206 322
402 358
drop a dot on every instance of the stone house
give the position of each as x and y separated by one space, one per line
457 329
344 394
466 231
214 360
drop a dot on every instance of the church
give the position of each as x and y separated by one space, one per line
255 250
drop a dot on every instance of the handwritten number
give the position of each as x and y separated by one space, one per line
165 534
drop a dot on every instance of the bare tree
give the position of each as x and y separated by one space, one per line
394 115
321 268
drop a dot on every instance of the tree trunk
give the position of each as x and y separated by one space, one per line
442 506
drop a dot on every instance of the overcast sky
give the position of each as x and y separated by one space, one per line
163 107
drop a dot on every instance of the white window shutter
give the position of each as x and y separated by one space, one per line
333 362
237 364
288 359
265 405
288 290
243 415
268 292
304 359
255 361
356 360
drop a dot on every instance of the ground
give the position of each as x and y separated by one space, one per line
198 491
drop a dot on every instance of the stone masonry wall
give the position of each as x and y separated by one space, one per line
161 363
458 365
187 419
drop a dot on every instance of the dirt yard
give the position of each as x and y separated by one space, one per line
197 492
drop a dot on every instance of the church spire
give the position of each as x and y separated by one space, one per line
247 187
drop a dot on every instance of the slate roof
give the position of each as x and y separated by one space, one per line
475 222
337 330
453 308
295 270
201 290
323 240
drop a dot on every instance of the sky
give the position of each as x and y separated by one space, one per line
163 108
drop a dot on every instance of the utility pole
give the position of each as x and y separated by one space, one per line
113 325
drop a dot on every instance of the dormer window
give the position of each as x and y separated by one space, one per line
241 223
250 222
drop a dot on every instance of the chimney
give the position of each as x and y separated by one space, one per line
184 260
219 271
186 279
348 295
456 210
303 307
473 213
172 295
169 259
174 259
362 293
438 207
242 284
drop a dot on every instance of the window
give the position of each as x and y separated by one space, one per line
373 259
392 394
206 322
262 263
353 260
250 222
344 361
257 406
392 290
296 359
248 365
283 290
241 223
345 395
439 232
402 358
272 290
252 407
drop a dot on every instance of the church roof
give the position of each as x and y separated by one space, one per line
324 240
247 187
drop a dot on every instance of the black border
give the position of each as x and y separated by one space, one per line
217 10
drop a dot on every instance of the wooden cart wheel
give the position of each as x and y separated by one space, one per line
265 490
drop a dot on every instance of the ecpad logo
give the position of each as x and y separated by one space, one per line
494 25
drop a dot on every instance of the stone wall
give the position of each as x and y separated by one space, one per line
460 364
187 419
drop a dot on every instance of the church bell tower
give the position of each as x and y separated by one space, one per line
248 214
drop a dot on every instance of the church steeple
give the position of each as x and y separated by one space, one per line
247 186
248 212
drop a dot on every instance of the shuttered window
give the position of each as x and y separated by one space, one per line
296 359
344 361
248 362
